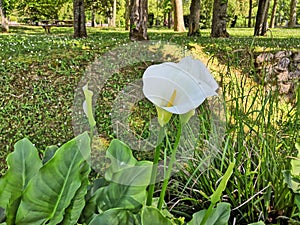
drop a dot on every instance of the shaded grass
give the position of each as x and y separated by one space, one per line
38 76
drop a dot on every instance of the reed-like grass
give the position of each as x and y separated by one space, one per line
262 127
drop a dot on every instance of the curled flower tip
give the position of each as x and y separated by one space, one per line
184 118
163 116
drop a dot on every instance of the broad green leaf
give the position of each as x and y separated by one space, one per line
49 153
128 180
216 196
152 216
51 191
297 145
120 196
295 170
297 200
2 215
97 184
23 164
219 215
90 209
116 217
11 211
124 168
137 175
78 202
292 182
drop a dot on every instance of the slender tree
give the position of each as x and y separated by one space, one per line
93 23
79 19
261 18
219 20
170 18
250 13
114 14
265 22
138 20
273 14
127 14
4 22
293 16
178 16
194 28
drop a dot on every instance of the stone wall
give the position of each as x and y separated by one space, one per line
279 70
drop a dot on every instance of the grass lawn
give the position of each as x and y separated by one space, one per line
41 72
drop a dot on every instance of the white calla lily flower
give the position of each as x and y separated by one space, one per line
189 79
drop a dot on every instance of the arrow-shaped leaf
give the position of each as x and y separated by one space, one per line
50 192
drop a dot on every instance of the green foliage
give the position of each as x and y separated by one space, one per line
39 73
292 177
57 191
8 6
128 180
216 196
116 216
41 9
123 199
124 168
218 216
153 216
32 193
206 13
126 192
23 164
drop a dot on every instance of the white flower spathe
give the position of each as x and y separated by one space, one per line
189 78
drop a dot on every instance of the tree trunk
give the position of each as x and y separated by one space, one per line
178 16
79 19
261 18
293 15
127 14
114 14
265 23
138 20
219 20
250 13
4 22
170 20
194 29
93 17
273 14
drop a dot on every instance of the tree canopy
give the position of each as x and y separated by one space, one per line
160 12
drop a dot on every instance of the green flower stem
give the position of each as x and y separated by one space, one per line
91 134
207 214
170 167
161 136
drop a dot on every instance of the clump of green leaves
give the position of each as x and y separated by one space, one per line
52 190
292 178
55 189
